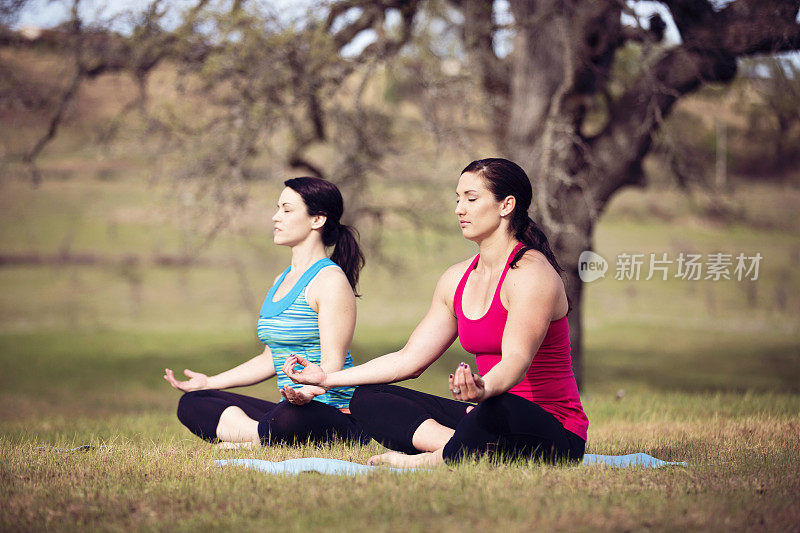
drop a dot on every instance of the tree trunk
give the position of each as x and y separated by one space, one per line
550 64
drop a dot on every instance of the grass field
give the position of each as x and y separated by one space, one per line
703 372
742 474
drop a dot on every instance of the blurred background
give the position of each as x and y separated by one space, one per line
144 145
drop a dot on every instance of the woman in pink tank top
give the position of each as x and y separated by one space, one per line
508 307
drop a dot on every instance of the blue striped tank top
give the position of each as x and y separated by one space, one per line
291 326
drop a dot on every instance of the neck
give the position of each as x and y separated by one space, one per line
305 254
495 249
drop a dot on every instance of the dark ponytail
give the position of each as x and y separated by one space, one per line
346 252
505 178
533 238
323 198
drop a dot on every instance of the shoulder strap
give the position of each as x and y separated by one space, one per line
460 288
313 270
270 308
505 270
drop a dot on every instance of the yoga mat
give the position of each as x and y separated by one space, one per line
632 459
293 467
337 467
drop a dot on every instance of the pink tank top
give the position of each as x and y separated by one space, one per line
549 382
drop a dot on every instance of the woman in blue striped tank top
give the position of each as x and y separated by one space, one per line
309 310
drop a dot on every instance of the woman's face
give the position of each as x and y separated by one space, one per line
291 223
479 214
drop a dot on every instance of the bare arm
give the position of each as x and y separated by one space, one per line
332 297
256 370
432 336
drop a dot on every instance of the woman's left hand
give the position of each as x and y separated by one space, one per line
301 396
466 386
310 374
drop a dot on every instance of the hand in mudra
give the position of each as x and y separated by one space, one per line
310 374
301 396
197 381
466 386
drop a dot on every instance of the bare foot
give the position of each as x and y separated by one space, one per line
225 445
401 460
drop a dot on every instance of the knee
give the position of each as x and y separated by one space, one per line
491 409
369 402
363 396
187 406
487 416
284 423
491 404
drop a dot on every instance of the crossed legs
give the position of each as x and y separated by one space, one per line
428 430
234 418
415 425
425 429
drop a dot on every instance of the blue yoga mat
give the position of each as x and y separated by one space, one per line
632 459
334 467
292 467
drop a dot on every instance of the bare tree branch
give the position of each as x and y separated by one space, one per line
370 14
373 16
743 27
654 33
712 42
29 158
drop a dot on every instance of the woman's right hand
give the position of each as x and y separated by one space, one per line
303 395
466 386
310 374
197 381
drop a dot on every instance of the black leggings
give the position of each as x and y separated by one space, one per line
282 422
506 425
